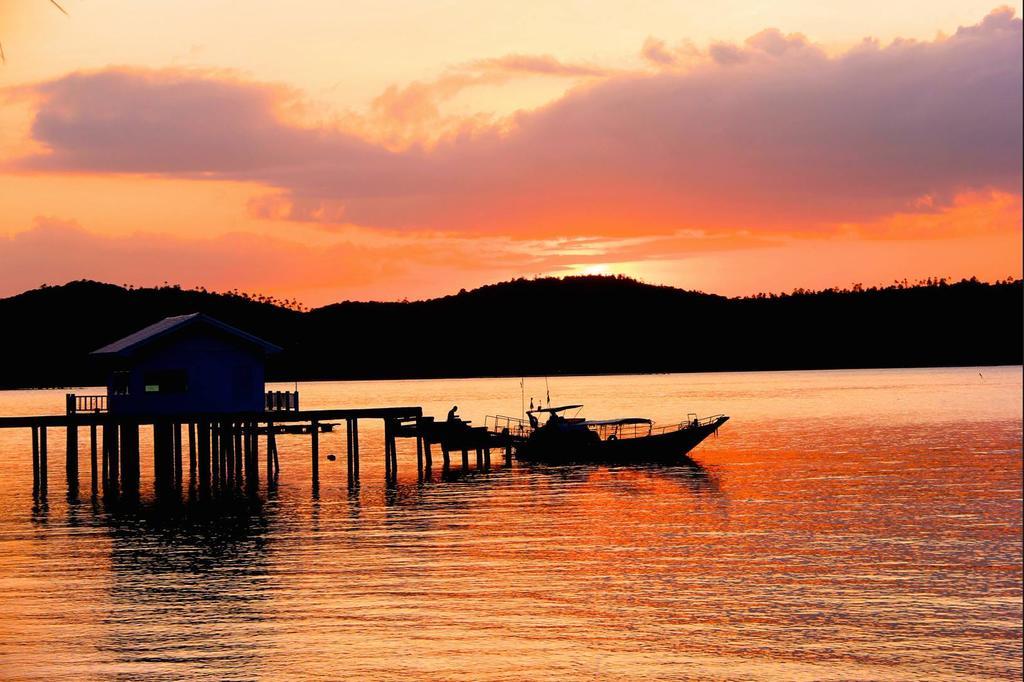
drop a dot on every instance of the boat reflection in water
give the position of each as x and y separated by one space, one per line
562 439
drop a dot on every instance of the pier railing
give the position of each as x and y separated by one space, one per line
517 428
77 404
282 401
692 422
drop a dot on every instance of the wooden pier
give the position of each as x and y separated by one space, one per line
223 450
198 383
454 436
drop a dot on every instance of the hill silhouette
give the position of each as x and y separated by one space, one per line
548 326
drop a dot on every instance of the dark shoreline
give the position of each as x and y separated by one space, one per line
544 327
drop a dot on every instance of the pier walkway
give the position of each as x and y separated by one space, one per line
223 450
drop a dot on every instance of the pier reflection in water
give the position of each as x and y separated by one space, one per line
844 525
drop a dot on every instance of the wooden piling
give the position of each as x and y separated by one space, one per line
237 429
226 457
254 434
271 452
277 462
71 458
112 440
394 456
224 438
465 459
254 458
314 437
419 455
92 457
214 454
246 450
427 456
348 453
240 459
222 444
391 450
42 460
355 448
387 451
192 452
35 459
177 454
203 462
227 460
104 441
228 438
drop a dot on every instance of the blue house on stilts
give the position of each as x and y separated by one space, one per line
186 364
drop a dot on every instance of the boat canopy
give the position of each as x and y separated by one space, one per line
554 410
617 422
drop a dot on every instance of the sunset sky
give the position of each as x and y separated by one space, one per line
329 150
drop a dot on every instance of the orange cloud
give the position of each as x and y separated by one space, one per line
969 214
412 114
772 137
532 64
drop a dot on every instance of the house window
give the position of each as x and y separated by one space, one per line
166 381
119 383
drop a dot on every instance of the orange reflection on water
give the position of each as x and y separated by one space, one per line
844 525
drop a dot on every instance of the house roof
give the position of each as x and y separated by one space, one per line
169 325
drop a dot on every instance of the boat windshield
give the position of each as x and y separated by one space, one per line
554 410
555 414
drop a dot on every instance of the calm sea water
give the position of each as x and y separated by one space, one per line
844 525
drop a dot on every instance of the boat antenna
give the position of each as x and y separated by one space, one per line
548 390
522 395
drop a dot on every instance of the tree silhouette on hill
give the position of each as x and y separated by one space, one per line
579 325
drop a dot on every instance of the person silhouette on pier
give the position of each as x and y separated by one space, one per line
452 416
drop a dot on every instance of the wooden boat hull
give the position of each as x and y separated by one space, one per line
570 446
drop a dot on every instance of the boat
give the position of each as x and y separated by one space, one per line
564 439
